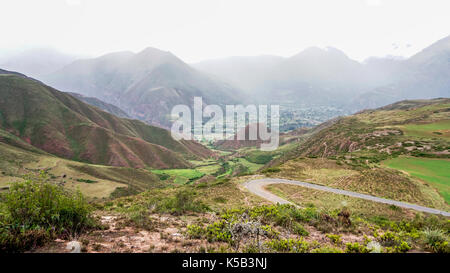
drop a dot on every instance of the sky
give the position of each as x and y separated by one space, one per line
196 30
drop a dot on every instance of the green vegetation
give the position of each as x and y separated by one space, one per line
259 157
436 240
439 129
67 127
434 171
86 180
195 201
376 180
34 211
181 176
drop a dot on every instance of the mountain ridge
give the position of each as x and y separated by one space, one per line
62 125
129 80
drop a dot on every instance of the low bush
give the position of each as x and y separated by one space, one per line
299 230
35 210
271 170
436 240
182 202
326 249
335 238
195 231
355 248
288 245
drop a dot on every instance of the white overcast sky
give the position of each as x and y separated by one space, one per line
196 30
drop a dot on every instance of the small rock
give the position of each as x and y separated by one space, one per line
74 247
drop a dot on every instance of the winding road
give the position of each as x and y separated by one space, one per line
257 187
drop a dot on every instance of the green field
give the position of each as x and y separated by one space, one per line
434 171
180 176
439 129
253 167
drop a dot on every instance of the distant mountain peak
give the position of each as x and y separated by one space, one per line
436 49
153 50
317 52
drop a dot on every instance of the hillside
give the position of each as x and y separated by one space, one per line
407 127
199 208
146 85
399 151
313 76
62 125
428 70
107 107
327 77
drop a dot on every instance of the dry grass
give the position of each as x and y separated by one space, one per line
377 181
330 201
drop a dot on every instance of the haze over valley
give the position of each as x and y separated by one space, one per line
312 86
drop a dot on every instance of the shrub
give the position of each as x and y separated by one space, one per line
326 249
299 229
433 236
393 242
335 238
182 202
436 240
86 181
259 157
355 248
270 231
441 247
272 170
218 232
36 210
195 231
140 219
289 245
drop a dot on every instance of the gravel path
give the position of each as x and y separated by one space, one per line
257 187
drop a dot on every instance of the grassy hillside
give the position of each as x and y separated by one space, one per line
94 181
107 107
408 127
434 171
399 151
62 125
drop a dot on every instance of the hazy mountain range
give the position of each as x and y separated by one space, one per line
329 77
35 115
146 85
37 62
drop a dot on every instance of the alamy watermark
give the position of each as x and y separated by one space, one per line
239 123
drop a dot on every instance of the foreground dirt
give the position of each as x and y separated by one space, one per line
165 234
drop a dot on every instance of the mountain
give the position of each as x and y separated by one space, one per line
410 127
7 72
327 77
146 85
60 124
107 107
235 142
316 76
37 62
313 76
424 75
247 73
